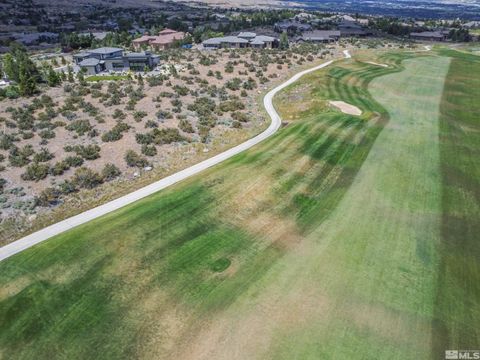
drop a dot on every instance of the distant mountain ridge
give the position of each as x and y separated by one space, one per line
435 9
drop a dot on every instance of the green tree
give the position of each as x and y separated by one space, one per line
70 76
19 68
53 79
284 41
81 77
27 83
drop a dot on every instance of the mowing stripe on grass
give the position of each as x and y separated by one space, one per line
457 302
373 263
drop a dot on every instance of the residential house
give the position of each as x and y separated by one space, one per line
351 29
247 35
242 40
139 61
472 25
363 22
320 36
91 66
161 41
291 27
429 35
262 41
225 42
347 18
304 17
114 59
97 35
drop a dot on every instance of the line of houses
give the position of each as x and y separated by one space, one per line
115 59
300 29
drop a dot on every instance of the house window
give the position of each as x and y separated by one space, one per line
138 65
117 65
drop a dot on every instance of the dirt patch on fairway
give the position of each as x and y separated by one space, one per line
241 334
247 208
388 323
346 108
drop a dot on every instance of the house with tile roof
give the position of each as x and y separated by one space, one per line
163 40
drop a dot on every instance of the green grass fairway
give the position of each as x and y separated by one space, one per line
339 237
375 258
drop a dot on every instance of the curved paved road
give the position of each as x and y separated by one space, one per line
67 224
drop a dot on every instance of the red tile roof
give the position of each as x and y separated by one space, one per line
166 36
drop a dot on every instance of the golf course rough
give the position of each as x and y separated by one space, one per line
339 237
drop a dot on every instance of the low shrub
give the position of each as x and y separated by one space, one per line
43 155
139 115
35 172
59 168
19 157
151 124
133 159
80 126
149 150
67 187
88 152
110 172
86 178
119 114
163 114
74 161
116 133
144 138
166 136
239 116
48 197
231 105
185 126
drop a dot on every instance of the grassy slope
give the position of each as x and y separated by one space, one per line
304 238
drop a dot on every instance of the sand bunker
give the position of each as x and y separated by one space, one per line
346 108
377 64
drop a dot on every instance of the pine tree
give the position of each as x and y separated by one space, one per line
70 77
81 78
52 77
284 41
19 68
